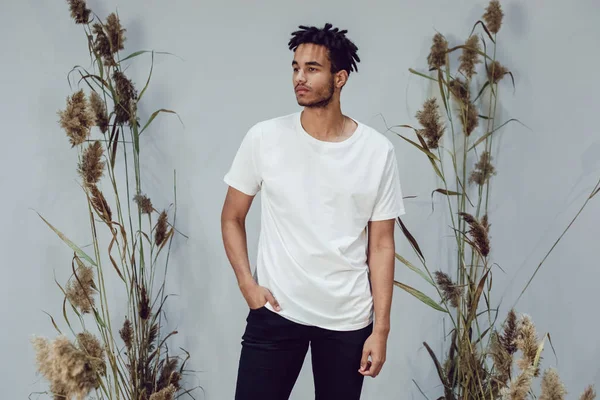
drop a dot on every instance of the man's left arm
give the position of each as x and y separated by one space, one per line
380 258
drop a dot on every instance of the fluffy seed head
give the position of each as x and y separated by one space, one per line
452 293
79 11
484 170
80 289
430 119
437 55
77 118
91 166
493 16
470 57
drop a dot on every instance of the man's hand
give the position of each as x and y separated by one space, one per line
375 346
257 296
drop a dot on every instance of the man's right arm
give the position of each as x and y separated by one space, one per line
233 228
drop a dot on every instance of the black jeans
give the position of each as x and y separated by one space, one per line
273 351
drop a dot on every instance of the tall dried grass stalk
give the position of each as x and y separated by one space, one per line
481 357
132 361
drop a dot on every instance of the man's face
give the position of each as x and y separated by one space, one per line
314 84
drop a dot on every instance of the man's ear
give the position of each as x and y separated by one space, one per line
341 78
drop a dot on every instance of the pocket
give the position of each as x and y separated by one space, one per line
259 308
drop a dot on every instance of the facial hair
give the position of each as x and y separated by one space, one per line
323 101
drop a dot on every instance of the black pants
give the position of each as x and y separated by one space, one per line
273 351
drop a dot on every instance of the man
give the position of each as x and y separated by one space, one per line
330 195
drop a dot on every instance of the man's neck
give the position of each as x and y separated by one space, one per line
327 124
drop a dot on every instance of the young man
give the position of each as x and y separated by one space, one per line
330 195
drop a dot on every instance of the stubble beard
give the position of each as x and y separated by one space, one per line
323 101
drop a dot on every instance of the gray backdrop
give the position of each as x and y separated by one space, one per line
233 71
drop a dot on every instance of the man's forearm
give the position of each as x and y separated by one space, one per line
236 248
381 265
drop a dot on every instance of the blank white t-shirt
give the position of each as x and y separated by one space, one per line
316 200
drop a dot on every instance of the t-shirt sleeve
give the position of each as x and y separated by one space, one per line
244 173
389 203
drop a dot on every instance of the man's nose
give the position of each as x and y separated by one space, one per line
300 78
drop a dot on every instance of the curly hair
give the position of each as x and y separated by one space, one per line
341 50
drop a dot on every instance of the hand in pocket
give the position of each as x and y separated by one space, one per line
258 296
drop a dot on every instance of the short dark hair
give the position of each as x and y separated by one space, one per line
342 52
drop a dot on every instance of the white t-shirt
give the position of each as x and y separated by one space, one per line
317 198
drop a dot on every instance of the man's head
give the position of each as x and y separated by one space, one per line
323 60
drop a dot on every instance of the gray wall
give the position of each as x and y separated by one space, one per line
236 71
